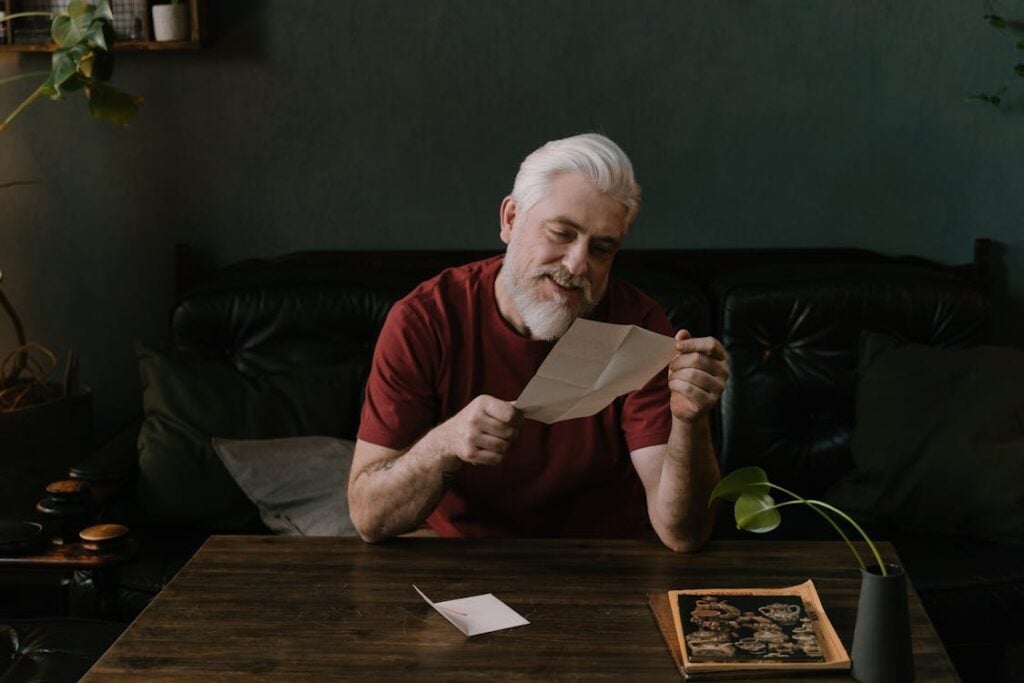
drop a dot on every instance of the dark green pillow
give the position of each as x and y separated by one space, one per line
186 403
939 440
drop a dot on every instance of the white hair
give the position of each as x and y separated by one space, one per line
594 156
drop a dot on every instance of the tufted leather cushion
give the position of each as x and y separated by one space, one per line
271 329
53 649
792 334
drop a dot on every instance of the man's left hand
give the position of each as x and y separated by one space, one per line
697 375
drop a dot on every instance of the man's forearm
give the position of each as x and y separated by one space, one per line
688 474
396 495
392 492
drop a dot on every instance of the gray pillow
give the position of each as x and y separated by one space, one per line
298 484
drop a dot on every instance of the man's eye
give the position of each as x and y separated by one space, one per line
561 235
601 249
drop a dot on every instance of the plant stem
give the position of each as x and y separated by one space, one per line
850 521
874 550
36 94
19 331
20 15
811 504
20 77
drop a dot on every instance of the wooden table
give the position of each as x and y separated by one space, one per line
333 609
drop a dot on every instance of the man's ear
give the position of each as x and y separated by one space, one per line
507 216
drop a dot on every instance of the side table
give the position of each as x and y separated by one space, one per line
103 568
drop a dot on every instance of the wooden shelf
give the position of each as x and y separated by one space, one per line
119 46
197 18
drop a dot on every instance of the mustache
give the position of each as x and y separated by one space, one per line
564 278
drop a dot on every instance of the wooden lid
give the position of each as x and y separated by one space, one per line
102 532
67 487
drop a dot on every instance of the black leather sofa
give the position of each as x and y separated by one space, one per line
52 649
792 321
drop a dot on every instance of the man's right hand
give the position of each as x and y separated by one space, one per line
482 432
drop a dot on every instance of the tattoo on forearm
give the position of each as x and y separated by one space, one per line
386 465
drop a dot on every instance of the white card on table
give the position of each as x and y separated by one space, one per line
477 614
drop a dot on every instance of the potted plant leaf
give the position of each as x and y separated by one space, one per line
881 641
45 419
82 61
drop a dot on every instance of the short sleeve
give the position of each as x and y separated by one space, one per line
646 417
401 400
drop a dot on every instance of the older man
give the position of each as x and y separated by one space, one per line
441 440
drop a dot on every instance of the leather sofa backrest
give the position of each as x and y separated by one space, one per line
793 335
326 308
792 327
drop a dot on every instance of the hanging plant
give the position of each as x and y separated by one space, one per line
82 61
84 35
1013 29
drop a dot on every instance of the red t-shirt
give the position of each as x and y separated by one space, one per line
445 344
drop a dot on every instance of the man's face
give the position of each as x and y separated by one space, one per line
559 256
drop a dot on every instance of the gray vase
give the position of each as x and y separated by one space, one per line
882 651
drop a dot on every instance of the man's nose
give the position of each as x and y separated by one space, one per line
576 258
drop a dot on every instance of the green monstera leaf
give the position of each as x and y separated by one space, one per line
85 23
84 35
110 104
743 480
756 512
755 508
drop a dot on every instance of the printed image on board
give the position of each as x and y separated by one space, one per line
748 628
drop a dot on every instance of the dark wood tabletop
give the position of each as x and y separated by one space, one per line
316 609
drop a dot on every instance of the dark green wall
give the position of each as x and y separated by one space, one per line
400 124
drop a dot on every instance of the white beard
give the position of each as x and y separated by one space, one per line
547 320
544 318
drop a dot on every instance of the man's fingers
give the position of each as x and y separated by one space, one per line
493 444
483 431
693 360
701 399
699 378
708 346
688 388
503 430
500 430
503 411
697 375
485 457
713 366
